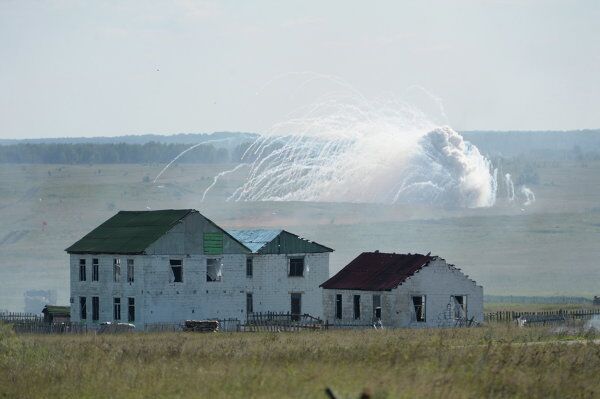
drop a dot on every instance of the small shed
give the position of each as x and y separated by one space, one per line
56 314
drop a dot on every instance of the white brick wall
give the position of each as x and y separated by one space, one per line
438 282
159 299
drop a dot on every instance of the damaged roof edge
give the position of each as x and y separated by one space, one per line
377 271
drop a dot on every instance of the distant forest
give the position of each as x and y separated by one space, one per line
228 147
152 152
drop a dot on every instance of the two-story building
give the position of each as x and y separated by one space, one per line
172 265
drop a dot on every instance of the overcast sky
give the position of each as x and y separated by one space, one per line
88 68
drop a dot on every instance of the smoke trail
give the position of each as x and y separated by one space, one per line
528 194
216 178
175 159
510 187
356 150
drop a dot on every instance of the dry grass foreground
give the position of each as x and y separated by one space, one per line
491 362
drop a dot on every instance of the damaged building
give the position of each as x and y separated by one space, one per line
402 290
167 266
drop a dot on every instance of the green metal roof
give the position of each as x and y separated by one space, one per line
276 242
129 232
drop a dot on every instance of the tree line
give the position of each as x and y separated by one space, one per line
152 152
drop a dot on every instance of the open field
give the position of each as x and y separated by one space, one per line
496 361
548 248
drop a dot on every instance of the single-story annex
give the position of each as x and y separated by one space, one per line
402 290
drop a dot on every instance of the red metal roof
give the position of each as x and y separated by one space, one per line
377 271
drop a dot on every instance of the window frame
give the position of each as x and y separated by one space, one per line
376 304
176 264
420 317
82 269
83 308
117 308
95 269
463 305
218 277
131 310
95 308
249 266
130 270
117 270
293 268
339 307
356 306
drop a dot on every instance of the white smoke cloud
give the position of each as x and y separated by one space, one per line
365 151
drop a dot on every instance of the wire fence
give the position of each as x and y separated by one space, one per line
27 323
507 316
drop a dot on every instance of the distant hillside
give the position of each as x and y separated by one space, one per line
540 143
217 138
122 153
219 147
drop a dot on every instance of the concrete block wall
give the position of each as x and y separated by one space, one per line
159 299
271 286
437 281
105 288
367 309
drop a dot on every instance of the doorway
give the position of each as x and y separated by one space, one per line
296 306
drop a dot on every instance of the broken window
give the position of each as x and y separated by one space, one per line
213 270
95 308
81 269
249 267
95 273
296 267
296 306
376 307
117 308
131 310
459 306
82 308
116 270
338 306
130 271
356 307
177 270
419 305
249 304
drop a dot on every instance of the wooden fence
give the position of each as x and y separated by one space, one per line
279 322
507 316
16 317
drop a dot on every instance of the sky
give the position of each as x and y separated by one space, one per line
107 68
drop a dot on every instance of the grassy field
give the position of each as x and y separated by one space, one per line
548 248
492 362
